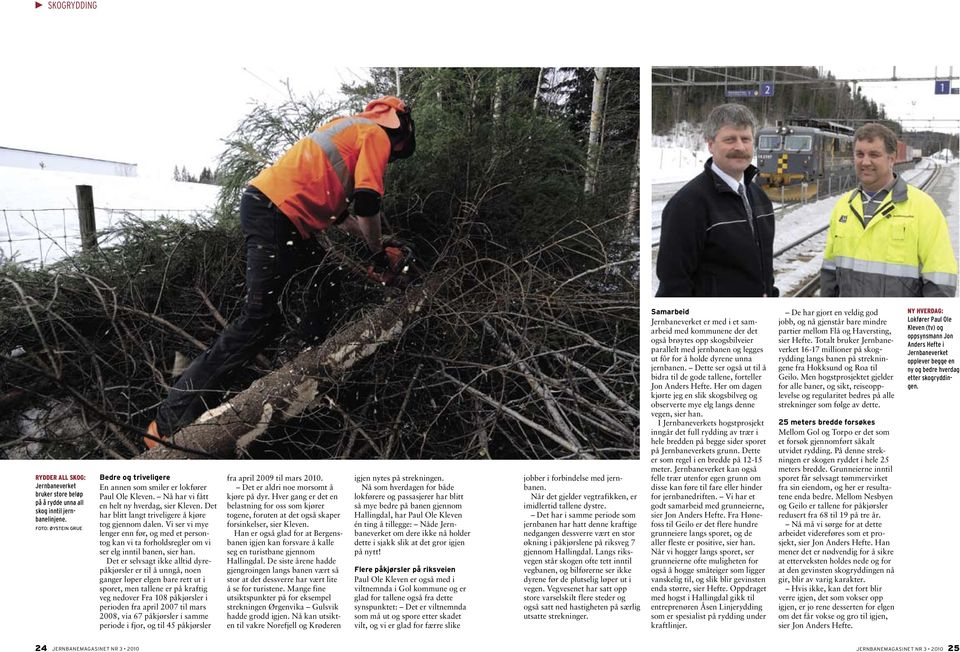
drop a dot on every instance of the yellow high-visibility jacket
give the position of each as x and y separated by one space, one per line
904 251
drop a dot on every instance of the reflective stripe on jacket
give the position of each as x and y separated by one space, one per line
904 251
315 179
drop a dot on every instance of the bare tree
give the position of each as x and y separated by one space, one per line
633 205
536 91
596 128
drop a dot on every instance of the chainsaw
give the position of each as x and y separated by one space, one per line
395 266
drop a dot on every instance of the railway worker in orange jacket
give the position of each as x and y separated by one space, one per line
307 190
886 238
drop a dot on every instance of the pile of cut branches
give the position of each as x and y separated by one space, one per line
533 356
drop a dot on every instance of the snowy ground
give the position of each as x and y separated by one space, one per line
38 208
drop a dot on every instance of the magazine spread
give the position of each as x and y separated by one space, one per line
383 359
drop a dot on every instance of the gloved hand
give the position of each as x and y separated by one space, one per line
390 266
411 261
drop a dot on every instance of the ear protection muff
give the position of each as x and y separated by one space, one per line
403 141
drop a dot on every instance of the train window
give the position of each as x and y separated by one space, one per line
841 147
769 142
798 143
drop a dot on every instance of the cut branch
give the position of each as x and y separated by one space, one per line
217 431
549 403
568 445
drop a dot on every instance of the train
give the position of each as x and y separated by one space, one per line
811 158
907 154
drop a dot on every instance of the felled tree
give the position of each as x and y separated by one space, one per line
229 429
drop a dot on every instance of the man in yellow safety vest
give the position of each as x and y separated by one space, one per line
886 238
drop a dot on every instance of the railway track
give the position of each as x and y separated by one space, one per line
786 209
809 288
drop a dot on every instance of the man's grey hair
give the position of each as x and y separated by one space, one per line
732 115
874 131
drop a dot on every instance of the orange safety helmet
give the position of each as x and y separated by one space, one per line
392 114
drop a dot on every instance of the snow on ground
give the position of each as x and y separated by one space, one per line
656 217
678 156
38 208
947 200
794 267
945 156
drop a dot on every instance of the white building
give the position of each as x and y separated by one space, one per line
23 158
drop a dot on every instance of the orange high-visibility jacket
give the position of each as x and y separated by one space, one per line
314 181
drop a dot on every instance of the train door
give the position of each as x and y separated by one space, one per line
824 151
